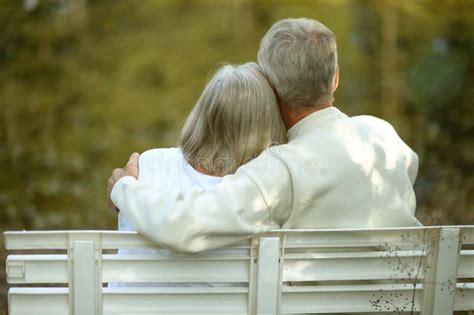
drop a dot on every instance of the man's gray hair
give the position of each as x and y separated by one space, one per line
299 57
234 120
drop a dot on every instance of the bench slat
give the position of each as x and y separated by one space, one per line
362 266
54 301
356 238
130 269
337 255
38 301
466 264
294 238
319 299
63 240
23 269
363 298
467 233
379 237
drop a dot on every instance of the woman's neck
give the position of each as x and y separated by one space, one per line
201 169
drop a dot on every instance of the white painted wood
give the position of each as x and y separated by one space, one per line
346 266
156 269
319 299
38 301
466 264
467 235
126 301
268 275
328 262
175 301
363 298
133 268
85 292
442 266
295 238
24 269
376 238
252 287
464 299
349 298
63 239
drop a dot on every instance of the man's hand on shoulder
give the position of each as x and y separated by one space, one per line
130 169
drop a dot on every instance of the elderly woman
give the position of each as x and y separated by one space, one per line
234 120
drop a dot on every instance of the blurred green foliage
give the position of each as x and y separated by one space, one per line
85 83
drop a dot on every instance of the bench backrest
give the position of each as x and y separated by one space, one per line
403 270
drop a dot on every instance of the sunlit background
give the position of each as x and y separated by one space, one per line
84 83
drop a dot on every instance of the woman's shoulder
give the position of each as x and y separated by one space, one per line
158 161
159 153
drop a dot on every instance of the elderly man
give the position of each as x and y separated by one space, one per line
335 171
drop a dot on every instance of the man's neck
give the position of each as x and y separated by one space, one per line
292 116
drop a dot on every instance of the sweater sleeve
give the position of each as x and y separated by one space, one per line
411 161
145 176
257 198
410 158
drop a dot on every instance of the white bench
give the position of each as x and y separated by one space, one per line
397 271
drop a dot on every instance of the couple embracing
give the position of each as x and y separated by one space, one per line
236 174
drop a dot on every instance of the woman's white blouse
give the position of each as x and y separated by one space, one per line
165 168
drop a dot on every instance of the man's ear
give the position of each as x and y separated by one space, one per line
335 82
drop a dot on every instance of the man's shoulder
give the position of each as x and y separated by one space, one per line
375 124
372 121
270 161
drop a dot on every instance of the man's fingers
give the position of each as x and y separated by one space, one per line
115 173
131 169
133 160
134 156
110 184
132 165
111 205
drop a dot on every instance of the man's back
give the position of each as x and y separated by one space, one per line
334 172
348 172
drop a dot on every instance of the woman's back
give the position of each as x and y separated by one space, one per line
234 120
165 168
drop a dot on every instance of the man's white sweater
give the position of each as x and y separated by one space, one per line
335 172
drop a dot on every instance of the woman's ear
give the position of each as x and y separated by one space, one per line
335 82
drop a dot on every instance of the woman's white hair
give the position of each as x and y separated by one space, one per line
234 120
299 57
